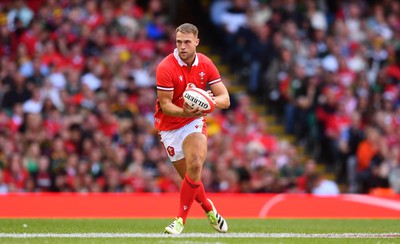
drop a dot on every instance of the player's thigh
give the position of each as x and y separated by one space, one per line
195 148
180 167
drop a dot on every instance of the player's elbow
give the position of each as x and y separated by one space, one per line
226 104
165 109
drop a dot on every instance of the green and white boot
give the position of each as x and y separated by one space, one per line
216 220
175 227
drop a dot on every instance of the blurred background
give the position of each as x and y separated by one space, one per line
314 88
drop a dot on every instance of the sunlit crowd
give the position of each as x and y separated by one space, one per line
77 96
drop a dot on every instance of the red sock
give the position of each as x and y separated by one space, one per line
202 199
188 192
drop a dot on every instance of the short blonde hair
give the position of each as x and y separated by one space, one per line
188 28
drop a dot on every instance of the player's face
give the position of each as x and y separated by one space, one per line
186 44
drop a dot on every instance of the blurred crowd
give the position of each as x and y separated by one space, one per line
77 96
330 72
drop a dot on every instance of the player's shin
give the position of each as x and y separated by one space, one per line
188 192
201 198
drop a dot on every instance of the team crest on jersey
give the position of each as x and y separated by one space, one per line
202 74
171 151
181 77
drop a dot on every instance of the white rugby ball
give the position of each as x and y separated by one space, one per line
198 98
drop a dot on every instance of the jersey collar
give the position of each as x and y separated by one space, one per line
181 63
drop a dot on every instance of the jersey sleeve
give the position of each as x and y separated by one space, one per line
164 79
214 76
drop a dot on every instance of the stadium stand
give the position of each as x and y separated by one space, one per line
328 71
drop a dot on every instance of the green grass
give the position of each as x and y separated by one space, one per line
312 226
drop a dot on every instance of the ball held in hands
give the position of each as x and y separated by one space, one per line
198 98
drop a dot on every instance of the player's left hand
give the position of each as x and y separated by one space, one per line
211 94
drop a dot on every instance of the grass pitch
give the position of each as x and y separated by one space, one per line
198 231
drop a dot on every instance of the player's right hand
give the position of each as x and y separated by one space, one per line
189 112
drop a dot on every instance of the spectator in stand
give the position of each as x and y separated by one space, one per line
394 169
322 186
291 171
349 141
259 46
278 74
19 12
369 154
232 20
3 184
295 88
31 159
303 182
34 104
43 176
17 93
15 174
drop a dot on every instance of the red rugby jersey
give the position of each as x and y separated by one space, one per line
173 75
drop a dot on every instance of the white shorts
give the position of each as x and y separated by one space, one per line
172 140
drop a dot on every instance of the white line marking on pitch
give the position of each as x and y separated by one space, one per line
199 235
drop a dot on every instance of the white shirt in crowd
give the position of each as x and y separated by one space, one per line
326 187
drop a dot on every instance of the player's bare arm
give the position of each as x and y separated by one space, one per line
168 108
220 95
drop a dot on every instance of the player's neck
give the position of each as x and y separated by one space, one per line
190 62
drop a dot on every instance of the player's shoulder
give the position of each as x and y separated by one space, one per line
204 58
167 62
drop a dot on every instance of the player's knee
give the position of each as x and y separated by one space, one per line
194 173
195 158
195 165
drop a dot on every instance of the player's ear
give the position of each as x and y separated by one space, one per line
197 42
